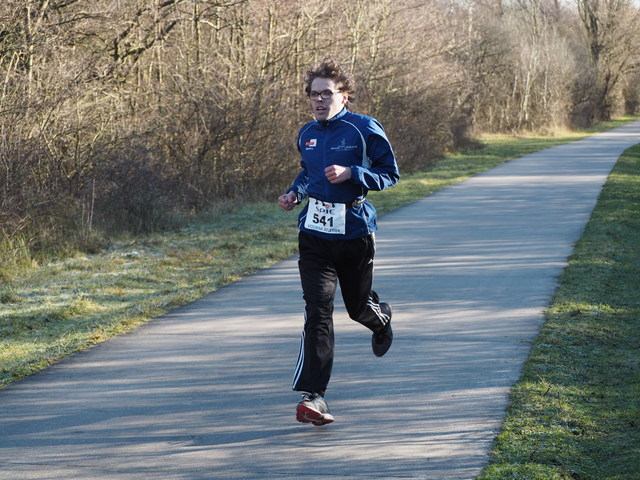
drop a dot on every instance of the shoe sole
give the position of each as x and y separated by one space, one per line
304 414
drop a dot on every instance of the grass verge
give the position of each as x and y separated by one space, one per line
575 413
68 305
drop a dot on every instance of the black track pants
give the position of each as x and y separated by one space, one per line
322 264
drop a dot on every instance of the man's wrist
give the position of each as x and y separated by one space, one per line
297 197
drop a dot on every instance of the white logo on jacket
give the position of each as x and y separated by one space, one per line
343 147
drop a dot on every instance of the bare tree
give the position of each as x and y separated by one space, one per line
137 109
610 32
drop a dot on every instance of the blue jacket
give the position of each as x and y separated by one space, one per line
352 140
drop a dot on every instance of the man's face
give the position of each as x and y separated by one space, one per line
326 108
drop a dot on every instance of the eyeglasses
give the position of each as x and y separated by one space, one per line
325 94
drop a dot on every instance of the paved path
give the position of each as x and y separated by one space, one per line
203 393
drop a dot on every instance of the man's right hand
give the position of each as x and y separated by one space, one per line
288 200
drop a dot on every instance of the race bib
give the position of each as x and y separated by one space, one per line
326 217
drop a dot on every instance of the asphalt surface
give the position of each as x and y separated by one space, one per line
204 392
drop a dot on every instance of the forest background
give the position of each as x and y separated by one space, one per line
125 116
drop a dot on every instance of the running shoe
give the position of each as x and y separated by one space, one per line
381 341
313 408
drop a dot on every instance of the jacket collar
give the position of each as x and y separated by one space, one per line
338 116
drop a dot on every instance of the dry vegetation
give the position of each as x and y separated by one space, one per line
121 116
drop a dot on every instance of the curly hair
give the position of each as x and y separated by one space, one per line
337 72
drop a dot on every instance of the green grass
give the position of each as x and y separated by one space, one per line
55 309
575 413
69 305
